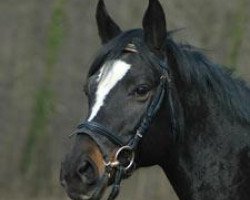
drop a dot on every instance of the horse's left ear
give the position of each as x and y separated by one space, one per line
154 26
107 28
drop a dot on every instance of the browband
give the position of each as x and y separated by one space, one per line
131 48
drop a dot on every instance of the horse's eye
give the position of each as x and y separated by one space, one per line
142 92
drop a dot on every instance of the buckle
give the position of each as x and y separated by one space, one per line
124 157
165 77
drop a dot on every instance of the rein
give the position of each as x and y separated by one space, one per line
123 161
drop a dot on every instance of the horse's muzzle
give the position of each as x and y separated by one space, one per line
82 169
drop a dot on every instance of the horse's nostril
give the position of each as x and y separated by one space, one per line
84 167
86 171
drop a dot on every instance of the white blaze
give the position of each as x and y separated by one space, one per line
110 74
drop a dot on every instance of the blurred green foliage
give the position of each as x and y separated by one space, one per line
237 31
44 98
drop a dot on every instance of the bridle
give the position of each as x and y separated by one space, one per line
123 161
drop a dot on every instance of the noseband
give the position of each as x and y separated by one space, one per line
126 150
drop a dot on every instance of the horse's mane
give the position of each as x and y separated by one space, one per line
209 78
194 69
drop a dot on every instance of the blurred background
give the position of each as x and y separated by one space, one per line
46 48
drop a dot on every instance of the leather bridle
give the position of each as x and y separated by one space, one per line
126 149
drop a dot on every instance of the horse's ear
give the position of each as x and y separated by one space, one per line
154 25
107 28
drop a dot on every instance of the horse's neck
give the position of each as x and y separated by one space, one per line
208 163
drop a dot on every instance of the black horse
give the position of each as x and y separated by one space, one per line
155 102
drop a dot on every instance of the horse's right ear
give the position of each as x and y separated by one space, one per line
107 28
154 26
